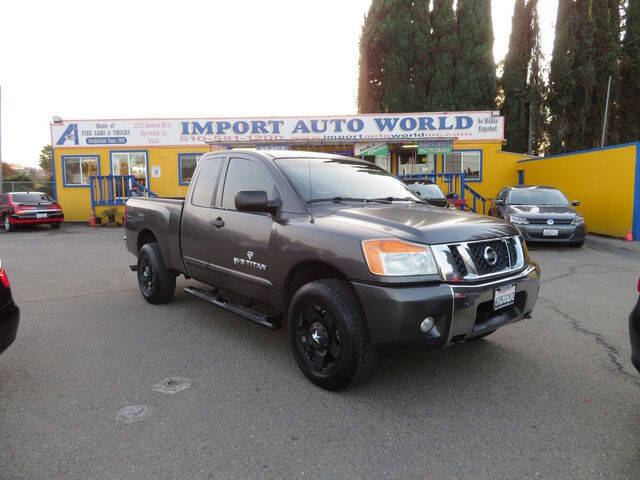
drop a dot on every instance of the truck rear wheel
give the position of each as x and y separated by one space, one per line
157 284
328 336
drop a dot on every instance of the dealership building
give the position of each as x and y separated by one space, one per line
98 164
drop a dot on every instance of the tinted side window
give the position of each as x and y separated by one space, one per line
246 175
206 182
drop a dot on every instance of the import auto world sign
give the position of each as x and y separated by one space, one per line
388 128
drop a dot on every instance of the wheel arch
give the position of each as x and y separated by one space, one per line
305 272
145 236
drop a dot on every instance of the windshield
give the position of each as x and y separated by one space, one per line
537 196
33 197
326 178
428 190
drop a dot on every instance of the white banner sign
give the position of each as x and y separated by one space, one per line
388 128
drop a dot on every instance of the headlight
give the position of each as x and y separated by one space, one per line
577 221
397 258
518 220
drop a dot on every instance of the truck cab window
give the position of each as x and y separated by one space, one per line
246 174
206 182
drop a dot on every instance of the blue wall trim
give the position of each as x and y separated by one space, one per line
180 155
53 173
610 147
636 198
64 175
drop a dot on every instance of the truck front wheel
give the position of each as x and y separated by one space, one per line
328 336
157 284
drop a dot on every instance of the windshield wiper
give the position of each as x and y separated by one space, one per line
349 199
399 199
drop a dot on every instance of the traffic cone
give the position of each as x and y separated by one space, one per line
92 219
629 236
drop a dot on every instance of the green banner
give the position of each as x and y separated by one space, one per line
429 147
372 149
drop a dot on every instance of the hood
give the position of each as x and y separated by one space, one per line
543 211
425 223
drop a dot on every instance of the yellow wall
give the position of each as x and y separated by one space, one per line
76 201
602 180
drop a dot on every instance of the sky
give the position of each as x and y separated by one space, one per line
157 58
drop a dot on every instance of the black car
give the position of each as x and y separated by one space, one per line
428 191
9 313
542 214
634 333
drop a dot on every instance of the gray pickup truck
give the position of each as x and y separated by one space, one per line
347 254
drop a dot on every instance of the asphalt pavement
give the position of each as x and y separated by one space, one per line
102 385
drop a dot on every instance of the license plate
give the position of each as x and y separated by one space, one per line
504 297
549 232
41 215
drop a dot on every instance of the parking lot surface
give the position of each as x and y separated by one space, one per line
550 397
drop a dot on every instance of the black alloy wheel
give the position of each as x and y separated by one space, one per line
328 334
318 338
157 284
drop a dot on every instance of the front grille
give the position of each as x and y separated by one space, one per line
459 263
489 257
471 261
556 221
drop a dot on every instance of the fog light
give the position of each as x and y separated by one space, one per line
427 324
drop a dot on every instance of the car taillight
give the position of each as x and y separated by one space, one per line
638 285
3 278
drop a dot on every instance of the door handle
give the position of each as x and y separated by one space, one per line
218 222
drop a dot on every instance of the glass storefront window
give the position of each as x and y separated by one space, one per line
187 162
130 163
467 162
77 170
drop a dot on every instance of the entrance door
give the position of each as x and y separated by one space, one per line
243 256
130 163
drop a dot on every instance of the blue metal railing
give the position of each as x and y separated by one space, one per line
455 184
113 190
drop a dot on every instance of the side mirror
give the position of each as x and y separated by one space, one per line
254 201
575 203
498 201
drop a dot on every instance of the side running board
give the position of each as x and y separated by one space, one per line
211 296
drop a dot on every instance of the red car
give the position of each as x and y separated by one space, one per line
28 208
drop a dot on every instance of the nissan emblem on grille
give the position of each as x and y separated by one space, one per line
490 256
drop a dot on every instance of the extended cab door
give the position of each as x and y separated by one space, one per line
195 229
243 242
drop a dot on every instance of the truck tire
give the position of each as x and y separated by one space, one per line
157 284
328 336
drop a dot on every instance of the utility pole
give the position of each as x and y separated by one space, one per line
605 120
532 104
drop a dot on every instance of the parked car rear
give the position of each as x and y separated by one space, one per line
29 208
9 312
634 332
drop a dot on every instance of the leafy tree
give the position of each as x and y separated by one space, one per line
387 55
514 80
444 48
45 159
7 171
23 182
476 84
629 104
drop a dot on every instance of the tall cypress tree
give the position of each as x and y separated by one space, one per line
444 47
536 87
629 105
514 80
476 84
386 58
562 83
422 68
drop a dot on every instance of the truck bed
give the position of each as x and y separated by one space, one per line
161 215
